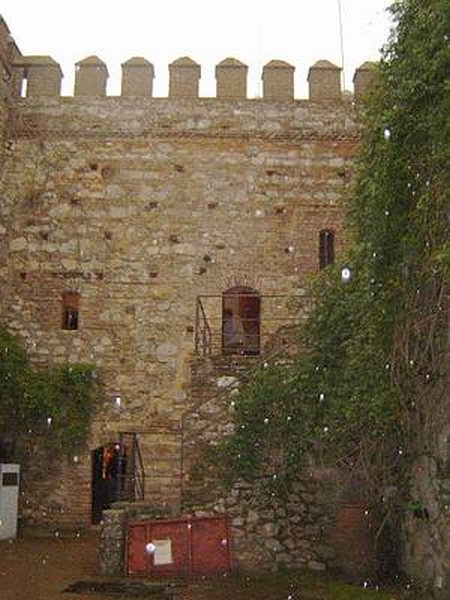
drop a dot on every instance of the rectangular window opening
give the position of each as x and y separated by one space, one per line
70 310
326 248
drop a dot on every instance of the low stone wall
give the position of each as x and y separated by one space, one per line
112 542
268 530
111 554
274 531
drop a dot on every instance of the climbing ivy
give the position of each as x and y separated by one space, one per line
54 405
369 391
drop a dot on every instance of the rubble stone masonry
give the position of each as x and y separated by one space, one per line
140 205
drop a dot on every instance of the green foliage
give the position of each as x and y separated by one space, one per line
293 584
373 375
55 404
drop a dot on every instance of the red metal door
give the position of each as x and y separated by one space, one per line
249 311
210 546
178 547
137 562
241 311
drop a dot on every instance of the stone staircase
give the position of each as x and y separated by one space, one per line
214 382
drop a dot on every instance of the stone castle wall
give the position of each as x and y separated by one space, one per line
9 76
142 204
267 531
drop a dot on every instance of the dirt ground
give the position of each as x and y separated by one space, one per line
41 567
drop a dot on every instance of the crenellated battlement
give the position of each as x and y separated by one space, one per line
33 76
43 77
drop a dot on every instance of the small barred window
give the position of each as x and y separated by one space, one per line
70 310
326 248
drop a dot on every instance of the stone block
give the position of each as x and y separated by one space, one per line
137 77
324 80
315 565
270 530
231 79
91 76
278 80
252 517
273 545
184 78
43 75
17 77
363 79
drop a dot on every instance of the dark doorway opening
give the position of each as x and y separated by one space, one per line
241 309
108 466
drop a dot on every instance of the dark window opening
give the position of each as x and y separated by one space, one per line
326 248
70 306
241 307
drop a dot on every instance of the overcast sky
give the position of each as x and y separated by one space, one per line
254 31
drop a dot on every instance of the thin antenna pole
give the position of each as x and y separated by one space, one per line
258 59
341 35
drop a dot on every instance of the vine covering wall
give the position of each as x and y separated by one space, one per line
54 406
371 391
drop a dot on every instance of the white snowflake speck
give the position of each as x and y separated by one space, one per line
346 274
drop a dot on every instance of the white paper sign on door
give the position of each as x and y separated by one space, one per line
163 552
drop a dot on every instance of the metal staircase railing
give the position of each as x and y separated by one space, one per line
229 330
243 378
131 473
208 344
203 334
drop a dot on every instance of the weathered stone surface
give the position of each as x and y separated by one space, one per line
266 534
316 566
226 381
166 351
274 545
141 205
112 540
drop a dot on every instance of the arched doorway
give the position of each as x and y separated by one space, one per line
241 309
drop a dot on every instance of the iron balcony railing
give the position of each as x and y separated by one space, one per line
246 324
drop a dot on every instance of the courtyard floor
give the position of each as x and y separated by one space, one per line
41 567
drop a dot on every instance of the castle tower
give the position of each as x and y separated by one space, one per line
278 80
91 76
